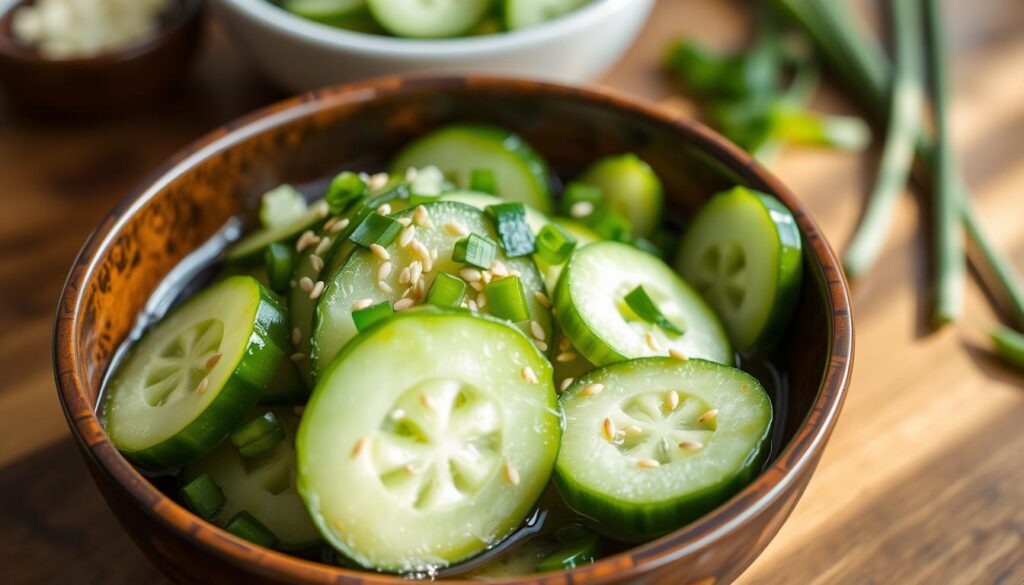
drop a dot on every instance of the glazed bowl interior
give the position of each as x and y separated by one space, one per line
316 135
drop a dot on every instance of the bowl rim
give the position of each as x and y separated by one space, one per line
802 450
302 29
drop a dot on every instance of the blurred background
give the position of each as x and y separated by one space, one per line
922 480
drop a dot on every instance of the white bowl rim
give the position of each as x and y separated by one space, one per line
484 45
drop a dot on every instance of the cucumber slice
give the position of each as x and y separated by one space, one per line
524 13
629 188
357 282
661 443
520 173
591 308
263 486
449 452
436 18
193 377
325 11
250 249
743 253
482 201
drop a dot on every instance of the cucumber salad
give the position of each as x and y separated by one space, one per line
463 366
431 18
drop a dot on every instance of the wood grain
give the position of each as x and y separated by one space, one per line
922 480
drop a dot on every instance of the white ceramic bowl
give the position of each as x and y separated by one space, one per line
302 55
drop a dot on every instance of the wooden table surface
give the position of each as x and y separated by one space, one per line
923 481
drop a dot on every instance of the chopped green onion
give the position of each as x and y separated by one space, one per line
203 496
1009 345
610 225
257 436
554 244
476 250
579 546
282 205
346 188
245 525
376 229
641 303
507 299
446 291
280 261
483 180
580 199
363 318
513 230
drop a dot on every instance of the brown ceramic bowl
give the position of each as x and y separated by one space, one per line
310 136
106 82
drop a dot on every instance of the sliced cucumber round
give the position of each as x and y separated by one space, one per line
263 486
358 281
629 188
743 253
250 249
653 443
193 377
524 13
592 310
519 172
325 11
432 19
445 456
481 201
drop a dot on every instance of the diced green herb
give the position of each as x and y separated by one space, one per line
446 291
1009 345
363 318
507 299
280 262
245 525
345 189
610 225
203 496
513 230
282 205
554 244
482 180
376 229
257 436
476 250
644 306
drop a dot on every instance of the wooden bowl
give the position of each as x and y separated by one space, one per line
310 136
104 83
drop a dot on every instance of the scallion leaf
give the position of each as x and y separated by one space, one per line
446 291
245 525
257 436
644 306
203 496
554 244
610 225
376 229
364 318
1009 345
513 230
475 249
579 200
280 262
506 299
345 189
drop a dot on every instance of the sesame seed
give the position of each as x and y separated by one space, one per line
652 342
471 305
339 225
422 217
307 239
609 429
323 246
384 286
469 274
672 400
330 223
384 271
316 262
212 360
563 344
528 374
358 448
380 252
203 385
433 254
384 209
404 276
420 251
306 284
321 209
456 229
486 276
677 354
499 269
405 221
566 383
296 335
477 286
428 265
407 235
297 357
536 330
542 346
404 304
318 289
581 209
378 181
708 416
633 430
690 445
428 402
592 389
415 271
361 304
565 356
647 464
511 473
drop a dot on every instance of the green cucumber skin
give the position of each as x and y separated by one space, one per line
790 274
643 203
265 358
651 520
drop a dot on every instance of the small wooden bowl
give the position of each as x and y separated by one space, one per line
106 82
310 136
